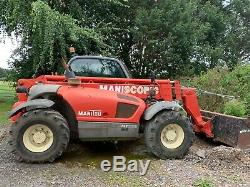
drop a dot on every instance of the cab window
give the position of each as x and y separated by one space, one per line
97 68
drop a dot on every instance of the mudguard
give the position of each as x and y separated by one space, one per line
41 89
159 106
32 104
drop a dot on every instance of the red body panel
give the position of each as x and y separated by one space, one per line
102 104
103 96
14 118
137 87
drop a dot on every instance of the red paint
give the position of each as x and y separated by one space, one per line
85 99
89 96
14 118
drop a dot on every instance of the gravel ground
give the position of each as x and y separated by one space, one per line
206 163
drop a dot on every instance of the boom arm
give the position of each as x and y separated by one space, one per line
191 105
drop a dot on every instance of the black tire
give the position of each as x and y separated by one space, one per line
49 118
153 131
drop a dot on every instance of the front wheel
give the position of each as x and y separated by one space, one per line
39 136
169 135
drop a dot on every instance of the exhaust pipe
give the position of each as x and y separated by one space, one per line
230 130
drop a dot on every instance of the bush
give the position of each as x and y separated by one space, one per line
235 108
237 83
222 81
210 81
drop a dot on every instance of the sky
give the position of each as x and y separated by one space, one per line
7 46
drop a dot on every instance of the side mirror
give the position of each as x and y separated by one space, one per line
68 72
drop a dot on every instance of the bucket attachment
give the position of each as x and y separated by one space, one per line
230 130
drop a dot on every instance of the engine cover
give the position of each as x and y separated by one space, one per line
95 105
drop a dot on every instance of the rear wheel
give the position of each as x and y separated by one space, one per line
39 136
169 135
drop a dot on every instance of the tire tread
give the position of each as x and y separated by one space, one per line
153 126
59 121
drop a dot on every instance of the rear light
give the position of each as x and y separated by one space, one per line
22 93
20 82
22 97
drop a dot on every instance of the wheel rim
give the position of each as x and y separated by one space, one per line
172 136
38 138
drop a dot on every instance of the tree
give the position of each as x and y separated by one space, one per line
237 48
46 34
3 73
178 37
173 38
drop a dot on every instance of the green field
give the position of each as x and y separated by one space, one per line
7 98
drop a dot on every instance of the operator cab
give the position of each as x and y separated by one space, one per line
97 66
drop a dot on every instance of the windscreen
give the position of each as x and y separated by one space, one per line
97 68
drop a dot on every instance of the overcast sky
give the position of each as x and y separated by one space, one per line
6 48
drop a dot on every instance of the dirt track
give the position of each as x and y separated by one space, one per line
80 166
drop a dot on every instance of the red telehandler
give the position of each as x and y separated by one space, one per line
98 100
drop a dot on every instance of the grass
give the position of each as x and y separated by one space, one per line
203 183
7 98
122 179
